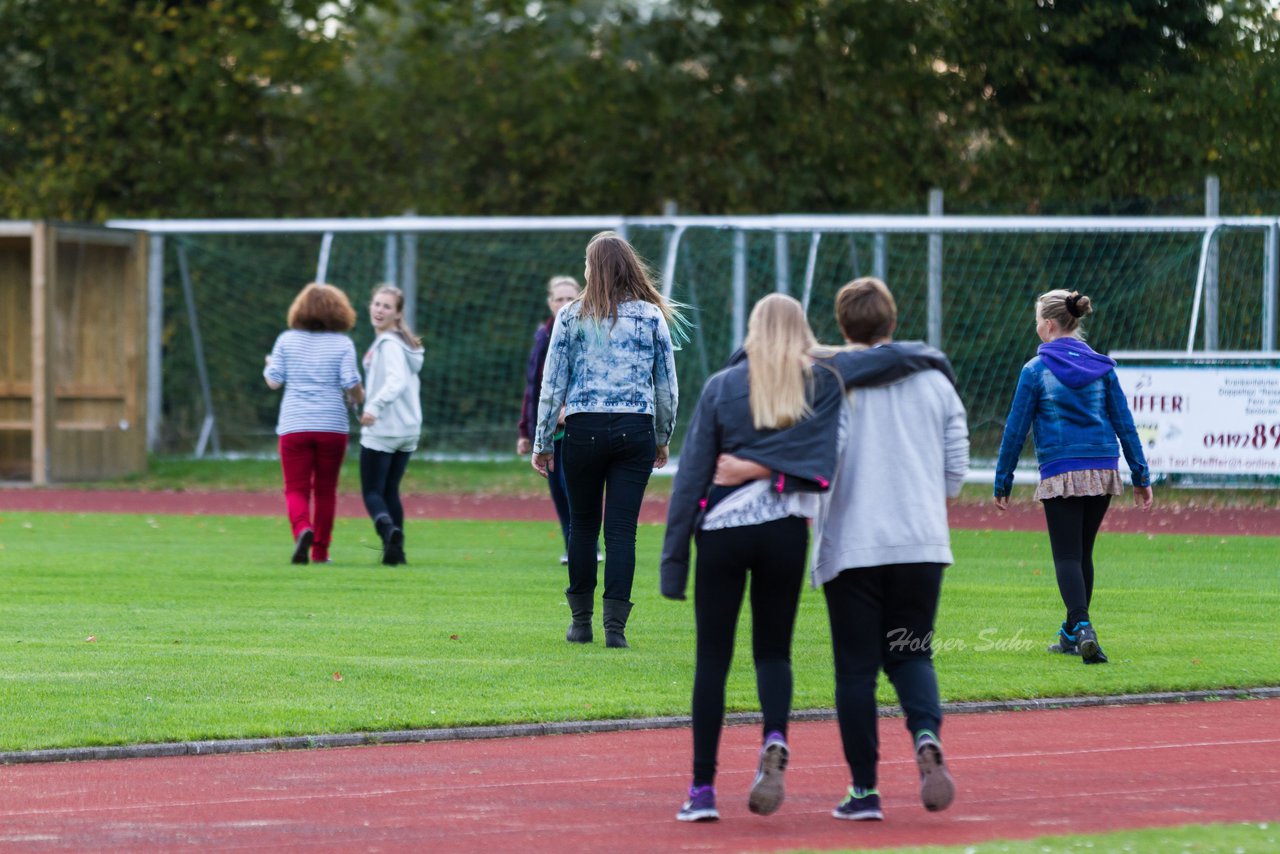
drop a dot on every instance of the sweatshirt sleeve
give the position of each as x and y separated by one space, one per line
395 376
533 383
955 439
890 362
692 480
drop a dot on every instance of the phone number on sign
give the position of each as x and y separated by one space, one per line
1263 436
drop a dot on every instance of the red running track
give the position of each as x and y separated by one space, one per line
1019 775
1163 519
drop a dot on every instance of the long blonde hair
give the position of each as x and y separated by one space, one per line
778 364
402 325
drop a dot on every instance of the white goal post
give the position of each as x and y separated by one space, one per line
964 283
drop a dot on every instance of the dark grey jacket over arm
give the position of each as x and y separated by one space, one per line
802 457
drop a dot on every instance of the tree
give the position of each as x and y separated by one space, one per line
112 108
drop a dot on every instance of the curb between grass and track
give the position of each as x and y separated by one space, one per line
411 736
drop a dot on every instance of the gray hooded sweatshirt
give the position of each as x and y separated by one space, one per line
392 391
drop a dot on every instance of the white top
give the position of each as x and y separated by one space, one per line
393 392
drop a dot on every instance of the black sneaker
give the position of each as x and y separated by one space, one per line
1087 639
937 789
766 790
302 547
701 805
860 805
1065 643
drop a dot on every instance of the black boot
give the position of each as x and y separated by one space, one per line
580 606
616 612
392 540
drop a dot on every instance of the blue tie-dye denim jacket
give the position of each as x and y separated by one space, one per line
627 366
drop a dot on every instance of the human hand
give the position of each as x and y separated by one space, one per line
661 456
1002 502
732 471
523 446
1143 496
367 419
543 463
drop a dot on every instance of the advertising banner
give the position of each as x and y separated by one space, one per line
1205 418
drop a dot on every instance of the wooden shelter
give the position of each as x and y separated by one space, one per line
73 352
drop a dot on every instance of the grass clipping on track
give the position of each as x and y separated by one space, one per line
132 628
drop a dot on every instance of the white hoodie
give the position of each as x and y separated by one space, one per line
393 394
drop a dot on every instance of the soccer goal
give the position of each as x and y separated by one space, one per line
476 291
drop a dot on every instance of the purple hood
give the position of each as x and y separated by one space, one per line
1073 362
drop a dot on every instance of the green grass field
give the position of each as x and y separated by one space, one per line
130 628
1188 839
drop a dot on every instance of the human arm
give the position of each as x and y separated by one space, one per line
273 371
1017 423
689 489
735 471
955 440
888 363
532 388
665 386
1130 444
395 378
556 375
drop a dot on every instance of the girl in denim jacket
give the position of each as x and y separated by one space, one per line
1070 397
610 365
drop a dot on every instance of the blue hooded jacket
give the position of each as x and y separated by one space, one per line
1070 398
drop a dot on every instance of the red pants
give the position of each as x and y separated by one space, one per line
312 461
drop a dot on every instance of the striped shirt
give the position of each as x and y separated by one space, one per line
314 368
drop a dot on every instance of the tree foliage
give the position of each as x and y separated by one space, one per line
302 107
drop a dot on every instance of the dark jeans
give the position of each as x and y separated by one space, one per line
380 475
607 463
774 554
882 617
559 495
1073 527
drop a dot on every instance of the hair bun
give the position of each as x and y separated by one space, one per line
1078 305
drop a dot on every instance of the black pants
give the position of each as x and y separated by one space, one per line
882 617
380 475
1073 528
774 554
607 463
559 497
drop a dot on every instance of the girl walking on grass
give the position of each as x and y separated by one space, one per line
391 422
610 364
1070 397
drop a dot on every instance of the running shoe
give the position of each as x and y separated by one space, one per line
860 805
766 790
937 789
701 805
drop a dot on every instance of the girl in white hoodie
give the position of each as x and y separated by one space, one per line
392 419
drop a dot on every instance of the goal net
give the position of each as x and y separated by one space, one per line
477 292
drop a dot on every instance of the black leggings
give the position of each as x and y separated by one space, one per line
380 474
882 617
1073 527
773 553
